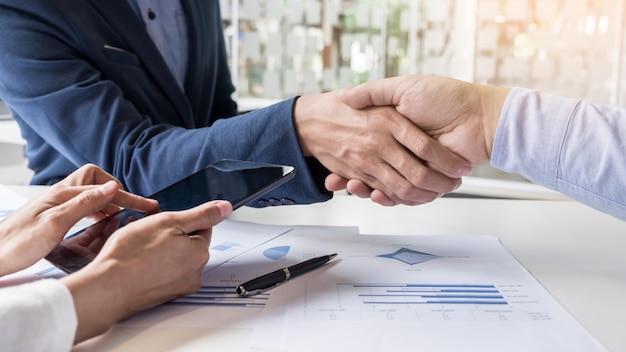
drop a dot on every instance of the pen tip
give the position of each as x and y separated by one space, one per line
331 256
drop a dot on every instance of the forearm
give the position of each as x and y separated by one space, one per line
98 301
571 146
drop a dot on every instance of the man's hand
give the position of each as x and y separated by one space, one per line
377 146
459 115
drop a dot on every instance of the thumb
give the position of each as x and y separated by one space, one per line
205 216
356 97
334 182
372 93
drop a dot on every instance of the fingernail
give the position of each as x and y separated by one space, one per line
465 170
225 208
108 188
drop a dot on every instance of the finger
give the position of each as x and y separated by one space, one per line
380 198
203 217
359 189
84 204
120 199
335 182
403 178
105 212
384 177
412 183
427 183
372 93
133 201
429 150
387 179
89 174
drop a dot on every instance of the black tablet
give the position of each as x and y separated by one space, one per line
239 182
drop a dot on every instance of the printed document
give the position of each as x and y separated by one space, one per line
436 293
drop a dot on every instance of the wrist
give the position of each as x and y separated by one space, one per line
97 300
300 105
492 100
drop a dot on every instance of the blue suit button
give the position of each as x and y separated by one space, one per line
287 201
274 201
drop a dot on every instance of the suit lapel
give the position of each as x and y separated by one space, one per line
124 20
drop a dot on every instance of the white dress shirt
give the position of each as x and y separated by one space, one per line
37 316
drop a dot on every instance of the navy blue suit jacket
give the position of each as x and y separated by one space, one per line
87 85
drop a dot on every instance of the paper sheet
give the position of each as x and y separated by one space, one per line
437 293
246 250
9 201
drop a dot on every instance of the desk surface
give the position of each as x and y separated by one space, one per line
574 251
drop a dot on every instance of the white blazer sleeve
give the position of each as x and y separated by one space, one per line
37 316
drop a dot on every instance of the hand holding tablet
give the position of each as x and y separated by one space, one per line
238 182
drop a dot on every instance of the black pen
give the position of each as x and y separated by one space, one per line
275 278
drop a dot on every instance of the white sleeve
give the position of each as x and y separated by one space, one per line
37 316
571 146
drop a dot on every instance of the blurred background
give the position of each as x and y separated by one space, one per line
279 48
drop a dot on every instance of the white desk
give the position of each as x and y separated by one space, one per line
574 251
577 253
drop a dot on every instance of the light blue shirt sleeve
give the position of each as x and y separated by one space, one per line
571 146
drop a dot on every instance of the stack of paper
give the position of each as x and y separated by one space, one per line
381 293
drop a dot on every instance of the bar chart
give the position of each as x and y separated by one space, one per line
419 302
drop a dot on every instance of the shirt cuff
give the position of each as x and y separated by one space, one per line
530 135
38 316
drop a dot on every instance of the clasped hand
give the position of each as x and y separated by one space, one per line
452 122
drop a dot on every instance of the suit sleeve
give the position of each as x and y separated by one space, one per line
71 112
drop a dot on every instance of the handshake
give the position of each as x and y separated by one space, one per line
402 140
